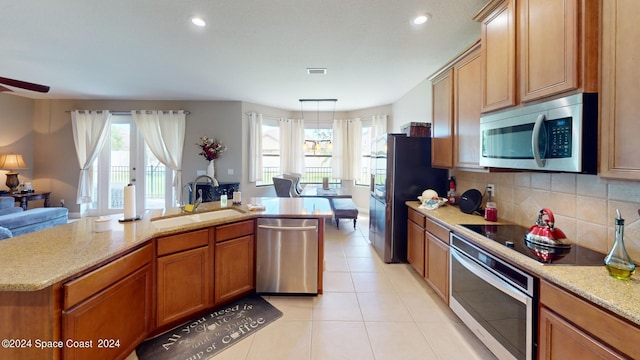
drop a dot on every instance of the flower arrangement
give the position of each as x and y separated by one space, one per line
211 148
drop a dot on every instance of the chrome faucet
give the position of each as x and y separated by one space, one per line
182 194
198 201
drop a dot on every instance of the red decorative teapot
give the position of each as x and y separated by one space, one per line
544 232
545 241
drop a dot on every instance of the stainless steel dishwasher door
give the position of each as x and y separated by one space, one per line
287 256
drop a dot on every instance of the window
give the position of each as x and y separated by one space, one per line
317 156
367 140
116 167
270 152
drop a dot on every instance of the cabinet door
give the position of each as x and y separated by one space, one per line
234 268
619 125
467 74
559 339
437 266
549 47
442 122
184 284
117 319
415 246
498 35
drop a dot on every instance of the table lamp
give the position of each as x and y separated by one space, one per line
12 162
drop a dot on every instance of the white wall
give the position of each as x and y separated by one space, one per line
414 106
16 135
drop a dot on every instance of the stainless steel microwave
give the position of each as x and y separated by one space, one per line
557 135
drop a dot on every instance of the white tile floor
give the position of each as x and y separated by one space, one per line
369 310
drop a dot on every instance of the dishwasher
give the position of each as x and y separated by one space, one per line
287 256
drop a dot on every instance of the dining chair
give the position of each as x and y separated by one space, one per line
282 186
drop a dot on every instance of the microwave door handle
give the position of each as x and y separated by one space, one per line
535 138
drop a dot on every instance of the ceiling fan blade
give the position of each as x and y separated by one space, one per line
24 85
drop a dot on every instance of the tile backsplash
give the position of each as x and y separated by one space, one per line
584 206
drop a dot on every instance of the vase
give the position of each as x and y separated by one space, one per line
211 169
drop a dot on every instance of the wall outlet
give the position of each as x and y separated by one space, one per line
491 190
229 171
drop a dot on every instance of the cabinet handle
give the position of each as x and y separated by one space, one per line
286 228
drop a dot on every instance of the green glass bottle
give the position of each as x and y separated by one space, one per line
618 261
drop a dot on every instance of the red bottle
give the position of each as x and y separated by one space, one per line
452 194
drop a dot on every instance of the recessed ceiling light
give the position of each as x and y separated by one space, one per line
420 19
198 21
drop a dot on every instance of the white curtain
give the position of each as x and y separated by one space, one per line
164 134
378 125
346 160
255 147
291 141
90 131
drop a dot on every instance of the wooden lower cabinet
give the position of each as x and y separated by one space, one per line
437 266
107 312
559 339
416 241
234 268
184 284
184 274
572 328
428 251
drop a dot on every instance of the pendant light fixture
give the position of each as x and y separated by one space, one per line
316 144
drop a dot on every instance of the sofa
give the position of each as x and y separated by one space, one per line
16 221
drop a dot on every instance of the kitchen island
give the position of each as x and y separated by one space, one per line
51 278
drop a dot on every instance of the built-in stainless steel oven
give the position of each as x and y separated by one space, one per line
496 300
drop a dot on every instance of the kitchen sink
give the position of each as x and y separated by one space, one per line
182 220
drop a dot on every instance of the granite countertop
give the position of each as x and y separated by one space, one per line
34 261
590 282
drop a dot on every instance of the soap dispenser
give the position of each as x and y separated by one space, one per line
223 199
618 262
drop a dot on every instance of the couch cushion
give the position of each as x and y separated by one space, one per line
5 233
10 210
34 220
7 202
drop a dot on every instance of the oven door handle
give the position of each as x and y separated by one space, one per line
490 277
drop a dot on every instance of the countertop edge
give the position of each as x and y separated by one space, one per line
130 235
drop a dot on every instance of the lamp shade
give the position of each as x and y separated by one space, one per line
12 162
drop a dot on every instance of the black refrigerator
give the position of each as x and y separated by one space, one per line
400 171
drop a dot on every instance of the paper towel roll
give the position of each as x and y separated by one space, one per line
129 202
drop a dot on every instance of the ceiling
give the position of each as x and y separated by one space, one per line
253 51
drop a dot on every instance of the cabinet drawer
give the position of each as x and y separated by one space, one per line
231 231
93 282
417 217
438 230
181 242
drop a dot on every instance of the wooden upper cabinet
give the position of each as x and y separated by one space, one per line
549 46
542 47
442 122
619 125
498 37
467 99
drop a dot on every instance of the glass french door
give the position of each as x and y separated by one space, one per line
126 159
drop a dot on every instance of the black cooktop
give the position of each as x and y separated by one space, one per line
512 236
